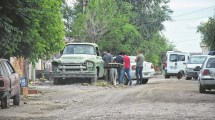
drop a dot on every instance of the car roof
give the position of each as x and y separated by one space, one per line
199 55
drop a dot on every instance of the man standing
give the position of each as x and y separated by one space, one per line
139 67
119 59
127 68
107 58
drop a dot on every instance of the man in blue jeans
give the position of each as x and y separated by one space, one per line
119 59
139 67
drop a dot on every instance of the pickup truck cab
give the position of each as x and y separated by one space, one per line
9 84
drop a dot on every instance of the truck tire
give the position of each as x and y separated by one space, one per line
5 102
56 81
95 78
16 99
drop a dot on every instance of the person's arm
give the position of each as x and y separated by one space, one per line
137 58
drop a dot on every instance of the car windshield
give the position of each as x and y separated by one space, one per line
197 59
79 49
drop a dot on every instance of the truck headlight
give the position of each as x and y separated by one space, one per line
90 64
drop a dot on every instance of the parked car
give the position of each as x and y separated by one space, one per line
9 84
174 63
148 70
207 75
195 60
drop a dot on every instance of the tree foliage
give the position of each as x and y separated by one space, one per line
31 29
123 25
207 31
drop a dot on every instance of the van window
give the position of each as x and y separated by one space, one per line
173 57
181 57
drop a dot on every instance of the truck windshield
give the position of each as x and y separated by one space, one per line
79 49
197 59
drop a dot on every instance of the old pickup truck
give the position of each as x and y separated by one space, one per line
78 61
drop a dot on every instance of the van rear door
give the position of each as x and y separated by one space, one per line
172 63
182 60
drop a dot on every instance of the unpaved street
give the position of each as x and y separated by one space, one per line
159 99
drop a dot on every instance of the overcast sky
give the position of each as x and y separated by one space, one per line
188 14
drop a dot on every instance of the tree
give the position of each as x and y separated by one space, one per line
123 25
207 31
150 15
31 29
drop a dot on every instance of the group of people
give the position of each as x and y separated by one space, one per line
124 60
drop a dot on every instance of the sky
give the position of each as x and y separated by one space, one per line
187 15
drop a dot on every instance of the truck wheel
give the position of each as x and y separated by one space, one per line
56 81
5 102
16 99
95 78
144 81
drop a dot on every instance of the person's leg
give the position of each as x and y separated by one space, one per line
118 75
137 75
121 75
129 76
141 74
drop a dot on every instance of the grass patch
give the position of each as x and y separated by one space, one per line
102 83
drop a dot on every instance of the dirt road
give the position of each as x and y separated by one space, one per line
159 99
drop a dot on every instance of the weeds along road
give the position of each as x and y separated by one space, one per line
159 99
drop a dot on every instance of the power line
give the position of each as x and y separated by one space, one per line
185 41
194 11
193 18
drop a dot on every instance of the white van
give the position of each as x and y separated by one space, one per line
175 62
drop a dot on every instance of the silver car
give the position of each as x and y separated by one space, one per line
195 60
207 75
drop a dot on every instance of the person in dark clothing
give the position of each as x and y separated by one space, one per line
119 59
107 58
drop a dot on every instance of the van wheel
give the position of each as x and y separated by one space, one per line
5 102
188 78
167 76
16 99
